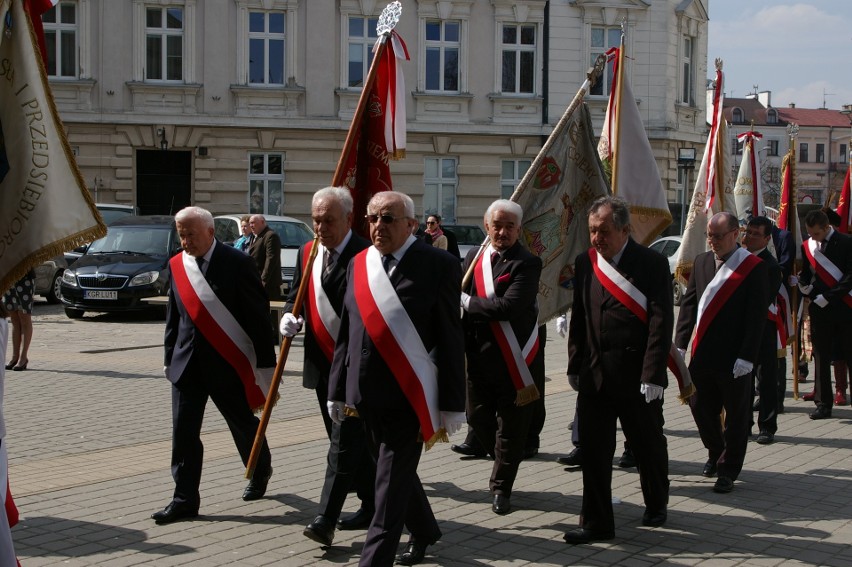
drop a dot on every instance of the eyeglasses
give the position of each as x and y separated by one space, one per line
431 222
386 219
712 236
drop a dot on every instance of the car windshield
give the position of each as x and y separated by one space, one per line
467 234
134 240
292 234
112 215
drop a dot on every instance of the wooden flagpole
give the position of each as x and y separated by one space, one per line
387 21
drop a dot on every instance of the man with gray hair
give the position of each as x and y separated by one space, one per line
500 322
618 344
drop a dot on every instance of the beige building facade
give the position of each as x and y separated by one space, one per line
239 104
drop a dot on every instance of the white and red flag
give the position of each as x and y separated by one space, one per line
844 207
748 190
625 147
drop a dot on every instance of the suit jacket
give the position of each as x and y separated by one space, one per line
516 278
785 246
607 343
427 281
236 283
316 366
266 251
770 330
839 251
737 329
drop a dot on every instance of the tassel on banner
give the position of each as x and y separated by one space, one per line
527 395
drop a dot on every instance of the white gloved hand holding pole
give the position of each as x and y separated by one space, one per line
290 325
651 392
335 411
742 368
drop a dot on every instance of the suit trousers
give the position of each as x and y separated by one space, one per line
207 377
349 463
767 389
504 437
394 439
830 326
642 422
715 391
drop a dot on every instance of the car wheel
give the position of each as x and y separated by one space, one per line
74 313
54 293
677 291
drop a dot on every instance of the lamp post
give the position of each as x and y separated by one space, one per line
685 163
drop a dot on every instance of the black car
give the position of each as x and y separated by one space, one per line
118 271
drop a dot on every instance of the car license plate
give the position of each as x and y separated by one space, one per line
100 294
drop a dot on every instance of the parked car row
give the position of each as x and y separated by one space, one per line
668 246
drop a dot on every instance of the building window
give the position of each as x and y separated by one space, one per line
687 96
603 38
803 153
266 184
736 147
820 153
439 191
518 64
164 44
772 116
362 37
512 171
737 116
844 156
773 147
60 38
266 40
773 174
443 46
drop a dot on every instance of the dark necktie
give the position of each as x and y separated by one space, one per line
495 257
200 261
329 261
719 263
822 246
388 262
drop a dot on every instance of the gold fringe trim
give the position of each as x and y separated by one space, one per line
440 435
527 395
680 269
350 412
397 154
259 410
686 392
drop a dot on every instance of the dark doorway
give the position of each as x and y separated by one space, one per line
163 181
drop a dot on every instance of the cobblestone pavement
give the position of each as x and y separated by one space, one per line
89 433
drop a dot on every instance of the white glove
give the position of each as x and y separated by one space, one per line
682 352
335 411
166 371
651 392
820 300
452 421
742 368
793 280
574 382
465 301
805 289
562 325
289 325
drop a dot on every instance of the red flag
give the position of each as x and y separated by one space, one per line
381 133
843 206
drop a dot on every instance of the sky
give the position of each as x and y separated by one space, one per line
800 50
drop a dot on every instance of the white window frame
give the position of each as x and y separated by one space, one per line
594 51
292 74
264 179
443 45
687 71
444 10
59 28
163 33
140 11
441 185
517 48
519 169
365 42
844 153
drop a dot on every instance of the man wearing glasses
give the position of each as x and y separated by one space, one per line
398 364
726 303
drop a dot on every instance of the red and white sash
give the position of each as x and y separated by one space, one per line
632 297
398 342
825 268
721 287
517 359
780 313
220 328
320 315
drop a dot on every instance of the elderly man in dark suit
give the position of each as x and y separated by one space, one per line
758 232
265 248
216 342
349 463
726 303
826 278
500 324
399 364
618 342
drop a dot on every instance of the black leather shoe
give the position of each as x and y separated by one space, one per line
723 485
530 452
581 535
822 412
627 460
468 450
765 438
654 519
501 505
321 530
573 459
175 511
414 553
709 469
358 521
257 486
